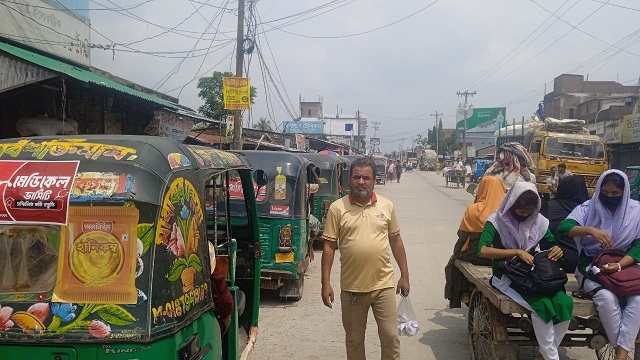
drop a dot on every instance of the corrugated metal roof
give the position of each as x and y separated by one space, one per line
81 74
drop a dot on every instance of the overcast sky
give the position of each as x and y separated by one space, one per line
411 67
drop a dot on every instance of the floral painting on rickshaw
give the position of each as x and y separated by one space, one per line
178 230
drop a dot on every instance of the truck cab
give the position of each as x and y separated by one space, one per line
583 154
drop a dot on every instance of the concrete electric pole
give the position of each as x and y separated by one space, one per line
237 114
437 135
375 132
466 94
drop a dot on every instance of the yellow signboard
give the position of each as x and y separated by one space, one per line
631 129
237 93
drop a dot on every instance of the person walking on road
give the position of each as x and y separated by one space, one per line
363 226
391 170
459 168
398 171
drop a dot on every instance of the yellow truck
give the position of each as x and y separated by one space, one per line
559 141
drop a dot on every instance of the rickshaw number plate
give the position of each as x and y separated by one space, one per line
284 257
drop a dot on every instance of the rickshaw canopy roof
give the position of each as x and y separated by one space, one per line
323 161
292 164
151 160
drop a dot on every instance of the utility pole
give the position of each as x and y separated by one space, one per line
237 114
401 145
437 135
375 132
466 94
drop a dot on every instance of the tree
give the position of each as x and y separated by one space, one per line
211 92
263 125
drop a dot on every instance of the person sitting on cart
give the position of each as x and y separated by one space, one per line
489 196
571 192
514 230
609 220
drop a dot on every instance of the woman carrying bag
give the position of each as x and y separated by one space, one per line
515 230
609 220
490 193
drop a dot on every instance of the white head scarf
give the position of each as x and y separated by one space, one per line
624 226
514 234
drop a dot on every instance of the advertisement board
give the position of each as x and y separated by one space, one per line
36 191
303 127
55 27
169 125
374 141
237 93
484 118
631 129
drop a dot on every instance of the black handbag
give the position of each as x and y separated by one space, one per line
544 277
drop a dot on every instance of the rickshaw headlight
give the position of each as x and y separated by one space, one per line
286 236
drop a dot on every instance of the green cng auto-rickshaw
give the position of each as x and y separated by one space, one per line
381 169
331 170
283 216
108 245
633 173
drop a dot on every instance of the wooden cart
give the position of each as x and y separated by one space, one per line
451 178
497 325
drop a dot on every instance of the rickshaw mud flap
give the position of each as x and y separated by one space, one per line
251 343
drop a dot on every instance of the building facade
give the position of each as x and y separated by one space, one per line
610 110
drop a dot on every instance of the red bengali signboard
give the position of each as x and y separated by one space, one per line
236 193
36 191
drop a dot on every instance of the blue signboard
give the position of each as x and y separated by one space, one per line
303 127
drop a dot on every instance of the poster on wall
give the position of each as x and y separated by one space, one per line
36 191
169 125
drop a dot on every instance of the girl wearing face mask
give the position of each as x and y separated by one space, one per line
610 219
516 229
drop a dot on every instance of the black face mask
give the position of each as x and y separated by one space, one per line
610 201
520 218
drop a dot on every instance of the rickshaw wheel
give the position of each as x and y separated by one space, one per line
481 337
609 353
488 335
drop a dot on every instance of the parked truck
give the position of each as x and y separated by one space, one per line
554 141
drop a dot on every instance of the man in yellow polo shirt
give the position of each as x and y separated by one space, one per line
363 226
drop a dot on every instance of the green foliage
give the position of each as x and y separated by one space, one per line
211 92
263 124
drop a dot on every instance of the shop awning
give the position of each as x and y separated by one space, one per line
82 74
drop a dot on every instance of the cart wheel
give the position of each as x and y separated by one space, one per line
609 353
486 326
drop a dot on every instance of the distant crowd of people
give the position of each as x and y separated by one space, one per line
395 168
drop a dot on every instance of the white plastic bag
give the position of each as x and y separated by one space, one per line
407 320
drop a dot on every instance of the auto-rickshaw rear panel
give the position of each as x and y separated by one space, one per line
127 215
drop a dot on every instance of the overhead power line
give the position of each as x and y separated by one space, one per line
362 32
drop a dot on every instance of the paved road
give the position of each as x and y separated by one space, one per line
429 215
